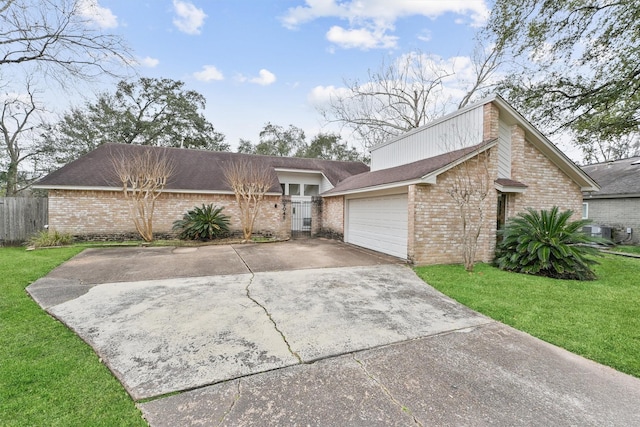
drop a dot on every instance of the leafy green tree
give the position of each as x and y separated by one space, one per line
329 146
275 140
547 243
576 69
149 111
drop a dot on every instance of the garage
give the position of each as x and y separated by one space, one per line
379 223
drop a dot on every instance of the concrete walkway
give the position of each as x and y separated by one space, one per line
315 333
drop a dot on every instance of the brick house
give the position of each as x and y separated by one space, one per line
402 206
617 204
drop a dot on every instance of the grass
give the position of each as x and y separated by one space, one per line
627 249
599 320
48 376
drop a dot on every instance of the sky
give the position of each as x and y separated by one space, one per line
259 61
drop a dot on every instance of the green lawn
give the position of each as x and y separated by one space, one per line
48 376
599 320
627 249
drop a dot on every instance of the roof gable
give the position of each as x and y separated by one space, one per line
196 170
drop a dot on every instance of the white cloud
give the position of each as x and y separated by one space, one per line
361 38
371 20
265 78
189 18
101 16
208 73
149 62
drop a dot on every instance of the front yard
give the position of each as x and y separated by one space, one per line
599 320
49 376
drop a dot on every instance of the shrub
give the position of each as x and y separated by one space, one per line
47 238
205 223
547 244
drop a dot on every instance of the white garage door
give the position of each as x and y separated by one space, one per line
379 223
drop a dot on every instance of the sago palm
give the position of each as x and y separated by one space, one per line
205 223
547 243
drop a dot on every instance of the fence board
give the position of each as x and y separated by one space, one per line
21 217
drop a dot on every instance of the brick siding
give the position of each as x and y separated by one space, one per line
333 217
86 213
618 214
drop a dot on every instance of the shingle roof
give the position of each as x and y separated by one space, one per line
195 169
617 178
404 173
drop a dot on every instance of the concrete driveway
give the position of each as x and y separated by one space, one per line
315 332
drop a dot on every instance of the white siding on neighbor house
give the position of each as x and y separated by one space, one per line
504 150
450 133
378 223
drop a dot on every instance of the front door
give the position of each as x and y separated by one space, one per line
300 219
502 213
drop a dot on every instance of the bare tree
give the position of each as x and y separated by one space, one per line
143 175
20 120
407 93
250 182
60 38
470 188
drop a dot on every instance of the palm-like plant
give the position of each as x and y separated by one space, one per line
205 223
547 243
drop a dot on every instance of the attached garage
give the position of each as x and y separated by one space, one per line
379 223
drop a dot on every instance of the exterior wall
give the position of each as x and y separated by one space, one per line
435 225
459 130
333 217
618 214
547 185
86 213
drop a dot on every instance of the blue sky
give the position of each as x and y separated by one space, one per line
259 61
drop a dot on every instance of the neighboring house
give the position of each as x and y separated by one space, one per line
401 207
617 204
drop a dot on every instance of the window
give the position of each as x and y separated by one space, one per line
311 190
294 189
585 210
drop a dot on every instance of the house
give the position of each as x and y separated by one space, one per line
402 205
85 196
617 205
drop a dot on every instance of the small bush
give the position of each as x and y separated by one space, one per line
547 244
205 223
48 238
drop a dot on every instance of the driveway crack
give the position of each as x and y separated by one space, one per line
233 404
386 391
275 324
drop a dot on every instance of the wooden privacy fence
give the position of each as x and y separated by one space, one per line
21 217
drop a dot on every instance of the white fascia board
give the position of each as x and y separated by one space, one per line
587 197
298 170
509 189
378 187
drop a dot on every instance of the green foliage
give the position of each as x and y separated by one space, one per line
48 375
575 67
148 111
48 238
205 223
599 319
547 243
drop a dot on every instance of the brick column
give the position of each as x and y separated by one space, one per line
490 125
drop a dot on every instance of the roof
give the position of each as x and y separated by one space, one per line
419 172
619 178
196 170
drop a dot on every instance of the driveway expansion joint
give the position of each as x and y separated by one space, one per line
404 409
